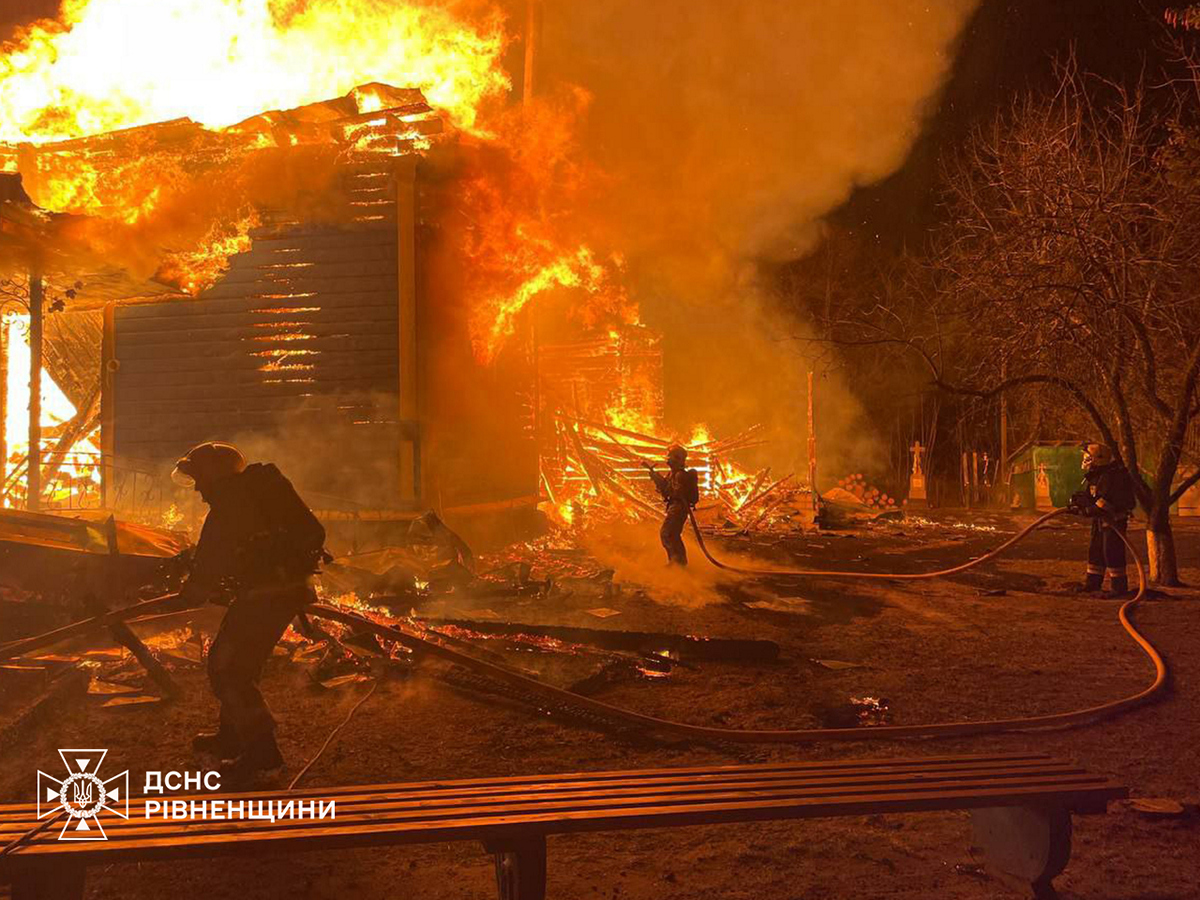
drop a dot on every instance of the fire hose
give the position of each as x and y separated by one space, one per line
754 736
424 645
883 732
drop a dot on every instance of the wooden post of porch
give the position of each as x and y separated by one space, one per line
33 496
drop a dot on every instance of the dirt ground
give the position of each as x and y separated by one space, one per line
935 651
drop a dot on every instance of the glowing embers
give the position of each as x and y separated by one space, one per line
288 360
70 454
285 359
289 336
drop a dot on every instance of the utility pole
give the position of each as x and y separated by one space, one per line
33 495
1002 468
3 410
812 449
533 47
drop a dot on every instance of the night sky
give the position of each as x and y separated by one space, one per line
1008 44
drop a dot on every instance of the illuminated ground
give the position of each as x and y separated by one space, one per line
937 651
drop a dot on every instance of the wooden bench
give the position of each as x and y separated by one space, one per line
1021 806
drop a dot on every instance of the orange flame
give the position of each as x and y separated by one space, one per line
113 64
193 270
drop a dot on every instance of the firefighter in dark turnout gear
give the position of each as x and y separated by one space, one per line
680 490
1107 499
259 545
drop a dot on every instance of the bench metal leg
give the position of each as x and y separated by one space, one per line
1024 847
57 881
520 867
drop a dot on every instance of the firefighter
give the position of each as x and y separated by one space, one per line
680 490
258 548
1107 499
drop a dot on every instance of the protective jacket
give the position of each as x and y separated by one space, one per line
1110 488
678 485
258 534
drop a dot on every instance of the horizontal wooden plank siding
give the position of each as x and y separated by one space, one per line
300 336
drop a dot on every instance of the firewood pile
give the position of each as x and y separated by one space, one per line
867 494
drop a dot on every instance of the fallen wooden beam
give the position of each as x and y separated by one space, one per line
76 629
124 636
652 643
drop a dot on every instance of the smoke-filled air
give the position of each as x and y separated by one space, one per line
725 132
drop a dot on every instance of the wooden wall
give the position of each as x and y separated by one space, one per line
294 353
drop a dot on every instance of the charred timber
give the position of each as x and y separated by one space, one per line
686 648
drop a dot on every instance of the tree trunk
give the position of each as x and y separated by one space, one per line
1160 545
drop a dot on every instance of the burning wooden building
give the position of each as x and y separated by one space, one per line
295 306
344 288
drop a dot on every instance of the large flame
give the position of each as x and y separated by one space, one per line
113 64
108 65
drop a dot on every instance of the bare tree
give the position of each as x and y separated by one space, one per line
1070 262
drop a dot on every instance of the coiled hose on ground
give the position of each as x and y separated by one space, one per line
757 736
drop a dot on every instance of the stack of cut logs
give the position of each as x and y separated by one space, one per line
870 496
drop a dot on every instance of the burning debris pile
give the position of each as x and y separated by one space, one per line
602 425
603 475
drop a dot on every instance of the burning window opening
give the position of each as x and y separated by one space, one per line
70 452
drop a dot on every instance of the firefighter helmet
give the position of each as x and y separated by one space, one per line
676 455
1096 455
208 463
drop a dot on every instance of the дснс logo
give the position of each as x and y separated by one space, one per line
82 795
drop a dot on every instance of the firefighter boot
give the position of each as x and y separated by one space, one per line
1091 585
1118 588
221 744
260 757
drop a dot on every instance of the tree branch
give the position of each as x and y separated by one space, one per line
1188 482
1074 390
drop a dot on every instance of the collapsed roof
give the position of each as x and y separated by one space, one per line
97 184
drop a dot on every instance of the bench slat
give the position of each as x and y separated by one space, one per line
332 835
863 765
651 777
645 786
552 815
433 802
